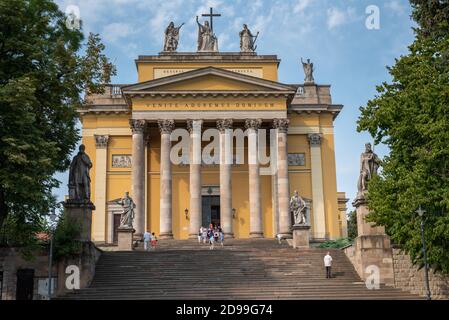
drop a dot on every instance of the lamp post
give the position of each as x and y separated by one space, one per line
50 255
421 213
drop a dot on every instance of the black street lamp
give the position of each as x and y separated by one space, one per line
421 213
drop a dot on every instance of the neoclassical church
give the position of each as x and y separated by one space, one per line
129 135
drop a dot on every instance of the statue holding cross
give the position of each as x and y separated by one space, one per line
207 41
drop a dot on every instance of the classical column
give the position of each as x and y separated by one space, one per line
166 127
99 227
226 159
138 174
285 219
319 219
255 211
194 127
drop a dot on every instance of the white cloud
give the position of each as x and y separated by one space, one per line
337 17
116 31
301 5
395 6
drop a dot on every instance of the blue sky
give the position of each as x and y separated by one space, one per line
332 33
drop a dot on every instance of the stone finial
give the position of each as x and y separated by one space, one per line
281 124
192 123
166 126
314 139
137 125
101 141
254 124
224 124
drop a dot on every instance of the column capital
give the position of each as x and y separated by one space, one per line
281 124
166 126
137 125
101 141
314 139
224 124
190 124
254 124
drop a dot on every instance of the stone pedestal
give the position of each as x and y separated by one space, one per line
301 234
80 212
125 239
372 247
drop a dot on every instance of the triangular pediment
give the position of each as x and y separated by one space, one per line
207 79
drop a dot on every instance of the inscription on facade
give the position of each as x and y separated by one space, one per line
121 161
296 159
165 72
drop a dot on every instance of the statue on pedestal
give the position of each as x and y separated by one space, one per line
207 41
128 205
247 40
298 209
369 164
308 71
79 179
171 37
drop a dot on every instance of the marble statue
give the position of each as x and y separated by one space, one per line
207 41
128 205
369 164
308 71
247 40
79 179
298 209
171 37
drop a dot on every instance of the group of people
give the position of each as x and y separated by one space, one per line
149 239
211 235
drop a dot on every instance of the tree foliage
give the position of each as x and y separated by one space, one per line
411 116
352 225
43 78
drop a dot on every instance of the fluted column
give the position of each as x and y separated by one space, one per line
101 155
138 174
285 219
226 159
194 127
255 211
165 128
319 218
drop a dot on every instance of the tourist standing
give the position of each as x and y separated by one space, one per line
153 241
146 240
328 265
200 234
221 233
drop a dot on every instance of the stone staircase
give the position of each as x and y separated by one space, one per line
242 269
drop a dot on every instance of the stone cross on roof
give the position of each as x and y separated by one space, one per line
211 15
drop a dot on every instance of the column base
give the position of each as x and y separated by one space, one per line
229 235
256 235
193 236
166 236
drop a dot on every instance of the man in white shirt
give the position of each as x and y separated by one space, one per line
328 265
146 240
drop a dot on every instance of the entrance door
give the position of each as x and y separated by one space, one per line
116 225
211 210
25 284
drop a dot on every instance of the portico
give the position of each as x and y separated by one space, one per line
212 101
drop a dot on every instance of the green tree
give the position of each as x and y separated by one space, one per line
352 225
411 116
43 78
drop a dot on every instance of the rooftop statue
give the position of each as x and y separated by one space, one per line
308 71
247 40
207 41
171 37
